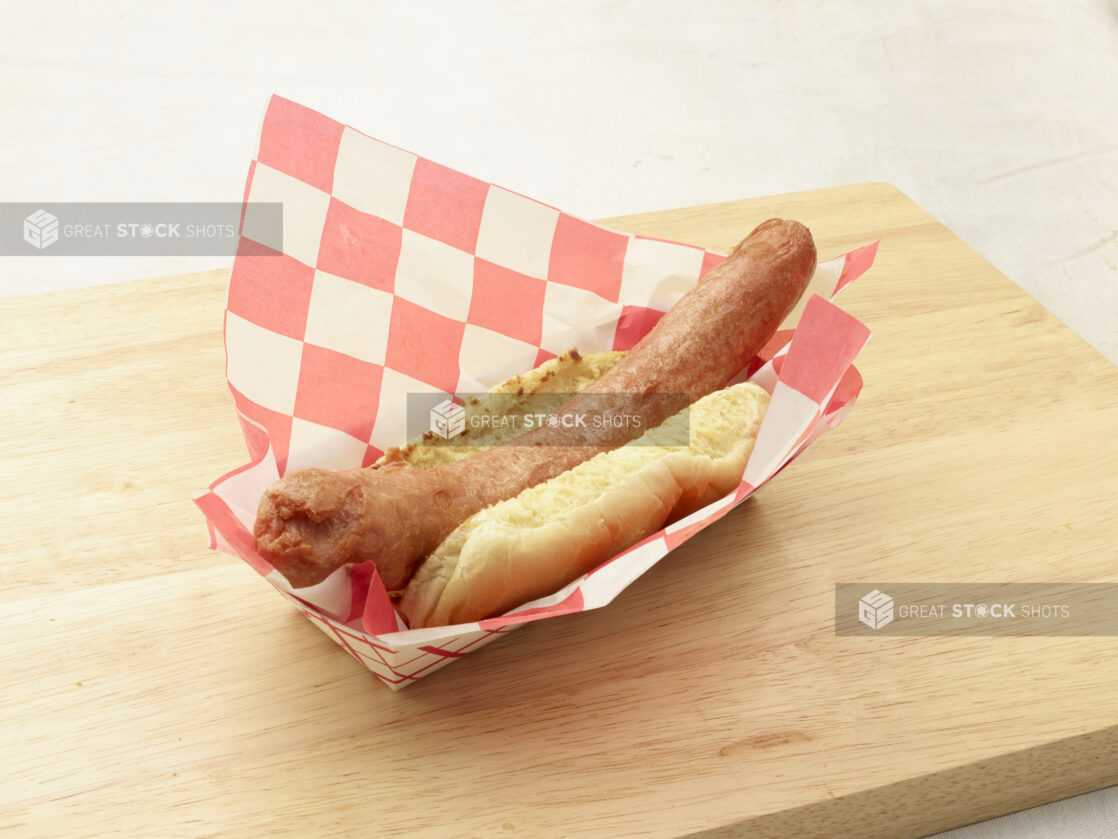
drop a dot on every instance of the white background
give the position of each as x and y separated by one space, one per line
999 118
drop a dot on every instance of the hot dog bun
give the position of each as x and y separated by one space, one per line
550 534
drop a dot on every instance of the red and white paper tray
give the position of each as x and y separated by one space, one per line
398 275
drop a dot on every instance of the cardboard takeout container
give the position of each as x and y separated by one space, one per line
396 275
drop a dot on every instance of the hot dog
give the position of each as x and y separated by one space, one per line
314 521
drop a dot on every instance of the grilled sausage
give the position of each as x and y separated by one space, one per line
314 521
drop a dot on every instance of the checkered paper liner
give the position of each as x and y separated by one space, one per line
397 275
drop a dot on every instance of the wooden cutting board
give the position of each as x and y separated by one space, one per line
153 687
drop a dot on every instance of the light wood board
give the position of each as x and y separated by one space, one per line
983 448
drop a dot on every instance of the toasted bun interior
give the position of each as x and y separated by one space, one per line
567 373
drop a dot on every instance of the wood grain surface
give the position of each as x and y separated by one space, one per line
151 687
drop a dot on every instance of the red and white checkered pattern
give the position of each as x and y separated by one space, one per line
398 275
